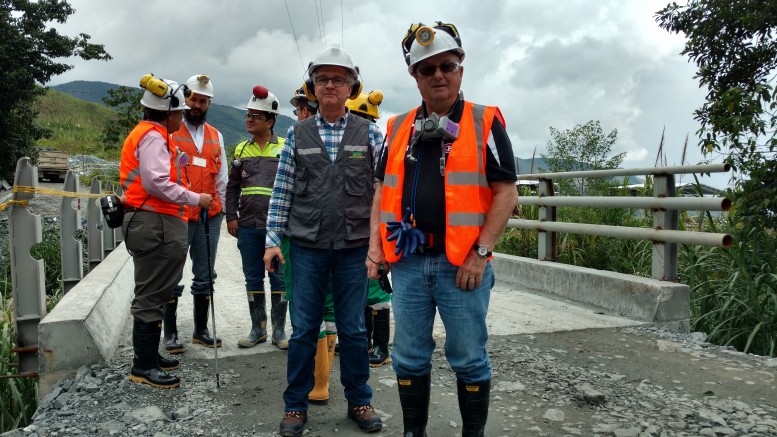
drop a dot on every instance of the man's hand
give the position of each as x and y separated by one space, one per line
374 261
205 200
269 254
232 227
470 274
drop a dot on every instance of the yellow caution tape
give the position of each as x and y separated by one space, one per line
4 205
39 190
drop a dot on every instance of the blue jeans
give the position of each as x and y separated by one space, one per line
311 270
421 283
198 251
250 242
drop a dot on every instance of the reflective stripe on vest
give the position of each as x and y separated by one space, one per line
468 196
129 173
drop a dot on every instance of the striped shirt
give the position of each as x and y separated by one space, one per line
283 189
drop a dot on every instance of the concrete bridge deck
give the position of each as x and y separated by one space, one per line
560 368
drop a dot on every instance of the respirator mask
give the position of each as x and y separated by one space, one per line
432 128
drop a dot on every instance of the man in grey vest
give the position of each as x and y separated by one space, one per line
321 200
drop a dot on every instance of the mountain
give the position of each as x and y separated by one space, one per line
228 120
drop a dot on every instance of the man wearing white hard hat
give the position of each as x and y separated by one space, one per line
207 172
254 164
321 201
447 190
156 197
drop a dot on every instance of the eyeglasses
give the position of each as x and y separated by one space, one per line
296 111
336 81
446 68
255 117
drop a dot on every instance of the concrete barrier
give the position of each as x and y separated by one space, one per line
661 303
85 326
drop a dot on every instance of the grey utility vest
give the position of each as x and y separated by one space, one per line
332 200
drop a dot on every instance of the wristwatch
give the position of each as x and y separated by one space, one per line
482 251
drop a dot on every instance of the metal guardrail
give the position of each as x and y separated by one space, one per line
27 273
664 205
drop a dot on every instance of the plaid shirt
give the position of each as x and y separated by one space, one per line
283 189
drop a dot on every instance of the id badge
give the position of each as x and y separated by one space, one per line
199 162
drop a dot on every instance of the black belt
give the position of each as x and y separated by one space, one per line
128 208
434 244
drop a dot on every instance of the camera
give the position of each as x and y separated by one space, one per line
113 210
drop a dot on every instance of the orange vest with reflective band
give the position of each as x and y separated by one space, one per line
129 173
468 196
203 167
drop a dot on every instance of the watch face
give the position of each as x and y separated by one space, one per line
483 251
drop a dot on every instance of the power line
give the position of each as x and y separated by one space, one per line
301 62
342 25
320 17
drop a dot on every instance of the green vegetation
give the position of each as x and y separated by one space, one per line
76 126
31 49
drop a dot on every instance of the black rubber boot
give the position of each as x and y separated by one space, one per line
379 356
368 326
414 397
145 366
201 334
172 344
473 405
167 364
258 332
278 315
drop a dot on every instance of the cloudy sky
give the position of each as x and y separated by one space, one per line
559 63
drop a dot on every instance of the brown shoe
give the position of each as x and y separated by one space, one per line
293 423
365 416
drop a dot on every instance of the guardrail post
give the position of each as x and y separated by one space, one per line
27 279
118 237
94 223
546 241
70 236
665 254
109 237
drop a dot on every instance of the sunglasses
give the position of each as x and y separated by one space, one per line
446 67
254 117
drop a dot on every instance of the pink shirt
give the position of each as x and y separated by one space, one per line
154 163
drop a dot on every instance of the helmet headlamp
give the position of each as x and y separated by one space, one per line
424 35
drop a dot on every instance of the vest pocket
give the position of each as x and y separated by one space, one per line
304 224
357 223
300 182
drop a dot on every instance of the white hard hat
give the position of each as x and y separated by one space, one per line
300 96
167 95
336 56
441 42
263 100
200 84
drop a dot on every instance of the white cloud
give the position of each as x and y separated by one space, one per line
544 63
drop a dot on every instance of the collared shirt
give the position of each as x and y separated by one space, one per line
198 135
154 165
283 189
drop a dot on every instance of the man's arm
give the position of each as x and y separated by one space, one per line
505 198
375 256
282 193
222 177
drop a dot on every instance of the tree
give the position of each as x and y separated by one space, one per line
584 147
126 101
29 50
734 45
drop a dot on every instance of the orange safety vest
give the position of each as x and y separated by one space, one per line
129 174
201 178
468 196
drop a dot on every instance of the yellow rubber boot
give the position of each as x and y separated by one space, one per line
331 341
320 393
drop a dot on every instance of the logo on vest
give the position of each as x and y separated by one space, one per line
357 155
